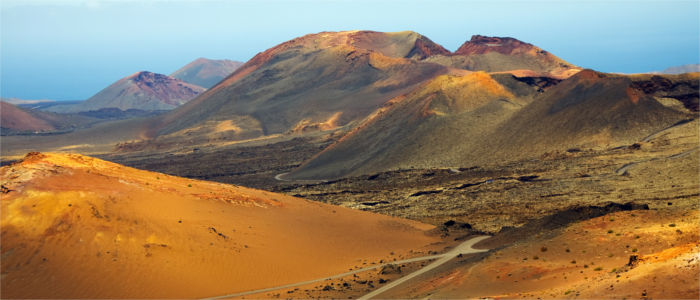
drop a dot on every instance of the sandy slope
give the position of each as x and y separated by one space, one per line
75 226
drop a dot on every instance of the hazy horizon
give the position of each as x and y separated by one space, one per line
70 50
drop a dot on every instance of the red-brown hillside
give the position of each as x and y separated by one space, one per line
310 80
141 90
13 117
497 54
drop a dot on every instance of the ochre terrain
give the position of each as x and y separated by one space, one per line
79 227
632 254
589 182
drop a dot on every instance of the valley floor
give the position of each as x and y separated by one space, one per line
582 252
557 235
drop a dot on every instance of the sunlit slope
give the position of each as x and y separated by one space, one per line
79 227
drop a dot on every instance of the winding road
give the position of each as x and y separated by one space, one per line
622 170
278 177
463 248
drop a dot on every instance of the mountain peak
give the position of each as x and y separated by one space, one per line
479 44
206 72
149 77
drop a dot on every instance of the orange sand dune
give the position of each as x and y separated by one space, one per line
79 227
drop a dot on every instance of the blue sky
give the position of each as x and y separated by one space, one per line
71 49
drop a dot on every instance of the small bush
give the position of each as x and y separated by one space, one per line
598 269
610 231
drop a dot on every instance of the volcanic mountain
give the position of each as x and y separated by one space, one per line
206 72
79 227
453 121
331 78
425 128
142 90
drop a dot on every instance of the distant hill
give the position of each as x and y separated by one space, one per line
682 69
142 90
206 72
18 101
17 120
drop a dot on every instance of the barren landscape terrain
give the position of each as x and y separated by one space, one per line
364 164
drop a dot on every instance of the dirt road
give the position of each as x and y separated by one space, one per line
463 248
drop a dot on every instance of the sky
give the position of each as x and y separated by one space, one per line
71 49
